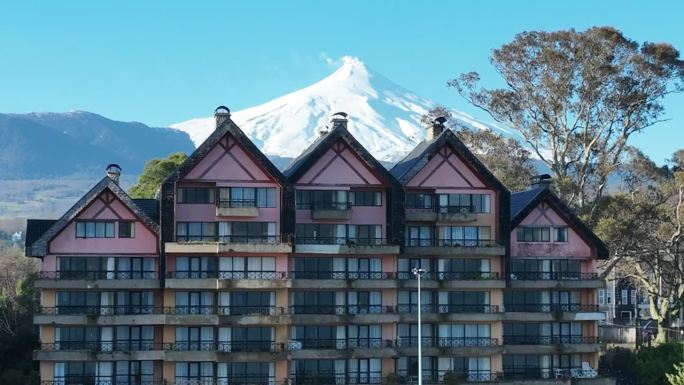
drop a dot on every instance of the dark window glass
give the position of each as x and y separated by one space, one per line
126 229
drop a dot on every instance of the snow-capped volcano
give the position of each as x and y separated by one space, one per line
383 116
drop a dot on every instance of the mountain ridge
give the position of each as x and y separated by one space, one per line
384 117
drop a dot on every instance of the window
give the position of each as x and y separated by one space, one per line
126 229
246 267
195 267
322 199
234 232
94 229
464 203
366 198
560 234
634 297
195 338
533 234
247 197
317 302
463 301
195 231
609 297
252 302
625 296
240 339
244 373
463 235
195 195
419 200
602 296
191 373
194 302
133 338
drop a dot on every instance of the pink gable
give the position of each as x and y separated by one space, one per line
445 170
105 207
340 166
545 215
228 161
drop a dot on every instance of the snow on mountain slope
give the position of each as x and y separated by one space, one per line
384 117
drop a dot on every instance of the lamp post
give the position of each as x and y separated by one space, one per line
418 272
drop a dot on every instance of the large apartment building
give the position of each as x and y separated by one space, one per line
239 273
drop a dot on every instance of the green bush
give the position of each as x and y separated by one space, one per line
653 363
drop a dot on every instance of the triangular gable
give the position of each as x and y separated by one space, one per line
214 147
228 161
85 206
366 167
340 165
415 162
551 201
446 169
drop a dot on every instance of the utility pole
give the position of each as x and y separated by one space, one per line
418 272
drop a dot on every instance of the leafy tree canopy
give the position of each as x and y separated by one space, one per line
154 173
576 98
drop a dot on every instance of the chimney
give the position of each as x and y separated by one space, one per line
543 180
114 172
437 128
339 119
221 114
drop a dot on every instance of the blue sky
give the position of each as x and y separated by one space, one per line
161 62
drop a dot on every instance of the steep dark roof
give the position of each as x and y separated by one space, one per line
149 207
39 247
306 159
224 127
522 204
35 228
521 200
412 163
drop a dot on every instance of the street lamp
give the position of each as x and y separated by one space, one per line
418 272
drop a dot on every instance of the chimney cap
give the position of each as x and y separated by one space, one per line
222 110
541 180
339 115
439 121
113 167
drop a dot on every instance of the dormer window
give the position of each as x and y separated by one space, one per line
196 195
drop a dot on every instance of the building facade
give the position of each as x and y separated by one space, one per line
239 273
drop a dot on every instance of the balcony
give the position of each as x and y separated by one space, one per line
551 344
449 313
456 214
243 351
342 280
213 244
561 280
456 346
309 348
453 280
339 314
101 380
237 208
553 312
331 210
453 247
101 315
433 378
345 245
561 376
106 350
226 279
97 280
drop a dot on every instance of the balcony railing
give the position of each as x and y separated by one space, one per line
258 239
340 275
331 378
552 276
352 343
340 309
341 241
225 346
227 275
97 275
525 373
251 310
447 342
341 206
448 276
84 380
455 209
444 309
236 203
103 310
549 340
551 308
104 346
460 242
433 378
254 379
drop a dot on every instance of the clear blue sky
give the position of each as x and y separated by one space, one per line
161 62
